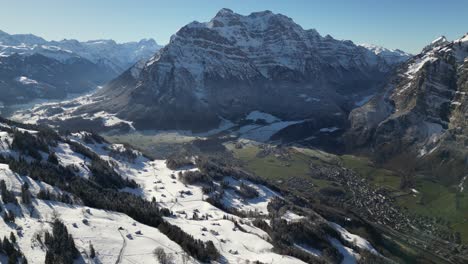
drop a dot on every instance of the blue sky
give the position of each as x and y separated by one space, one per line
404 24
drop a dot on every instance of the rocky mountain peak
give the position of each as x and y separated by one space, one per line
224 12
235 64
438 42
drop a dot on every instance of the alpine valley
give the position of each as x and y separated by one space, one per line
245 139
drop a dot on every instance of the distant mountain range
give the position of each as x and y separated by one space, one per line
235 64
57 68
391 56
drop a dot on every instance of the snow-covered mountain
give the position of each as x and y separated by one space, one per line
423 109
27 77
117 56
33 68
235 64
119 206
391 56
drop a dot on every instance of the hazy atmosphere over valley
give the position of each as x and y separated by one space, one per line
233 132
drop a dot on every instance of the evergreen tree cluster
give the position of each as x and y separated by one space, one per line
7 195
47 195
102 171
177 161
29 144
93 138
247 191
53 158
60 245
126 153
195 177
9 248
203 251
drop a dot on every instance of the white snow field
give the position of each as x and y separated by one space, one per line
102 230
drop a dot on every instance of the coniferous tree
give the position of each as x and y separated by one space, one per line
12 238
92 252
25 194
53 158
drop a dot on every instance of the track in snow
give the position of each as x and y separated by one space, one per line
119 258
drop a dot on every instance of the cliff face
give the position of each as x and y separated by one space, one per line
422 110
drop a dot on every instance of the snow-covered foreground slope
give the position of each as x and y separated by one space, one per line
232 225
116 237
161 183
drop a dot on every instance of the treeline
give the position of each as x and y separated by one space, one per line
246 191
32 145
177 161
29 144
47 195
45 131
285 235
92 138
102 171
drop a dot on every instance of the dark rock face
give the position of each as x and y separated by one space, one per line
236 64
422 110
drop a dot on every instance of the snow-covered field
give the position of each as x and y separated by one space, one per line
64 110
113 235
157 181
101 230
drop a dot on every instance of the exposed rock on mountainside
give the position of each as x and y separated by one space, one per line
422 110
235 64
